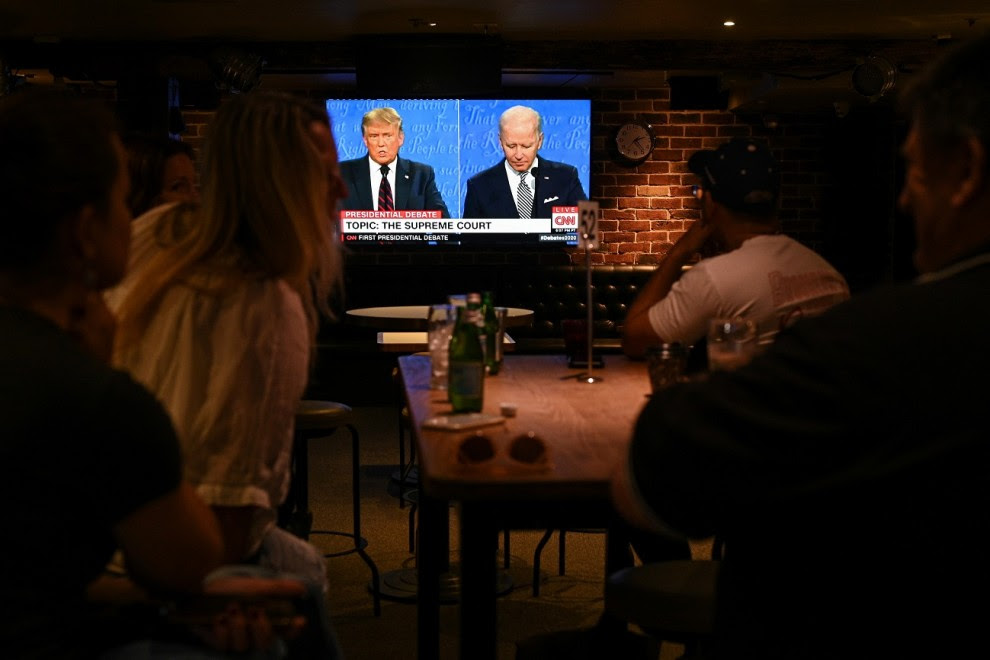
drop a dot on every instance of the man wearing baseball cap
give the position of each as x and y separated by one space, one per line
758 274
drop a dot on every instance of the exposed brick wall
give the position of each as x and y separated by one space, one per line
646 208
197 122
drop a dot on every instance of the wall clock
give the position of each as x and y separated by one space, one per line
634 141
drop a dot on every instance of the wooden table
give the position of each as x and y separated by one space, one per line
585 428
413 317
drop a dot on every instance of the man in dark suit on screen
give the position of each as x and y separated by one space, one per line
384 182
523 185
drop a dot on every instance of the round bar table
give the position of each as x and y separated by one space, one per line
413 317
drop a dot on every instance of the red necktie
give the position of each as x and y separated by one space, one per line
385 192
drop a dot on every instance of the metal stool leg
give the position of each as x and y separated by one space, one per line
412 528
294 515
402 461
562 552
359 541
536 561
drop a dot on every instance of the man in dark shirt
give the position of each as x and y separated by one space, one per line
408 185
846 468
90 460
522 184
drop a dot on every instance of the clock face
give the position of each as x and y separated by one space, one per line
634 141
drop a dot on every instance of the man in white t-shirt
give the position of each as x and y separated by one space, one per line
760 275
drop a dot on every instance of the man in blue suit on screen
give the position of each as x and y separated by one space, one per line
384 182
523 185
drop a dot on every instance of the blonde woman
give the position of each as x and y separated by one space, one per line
219 312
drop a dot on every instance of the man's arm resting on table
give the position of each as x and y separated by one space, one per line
173 545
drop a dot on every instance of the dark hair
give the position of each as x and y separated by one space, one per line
146 157
56 156
950 99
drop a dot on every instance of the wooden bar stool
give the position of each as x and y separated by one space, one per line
319 419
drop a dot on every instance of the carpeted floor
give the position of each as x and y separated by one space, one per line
546 626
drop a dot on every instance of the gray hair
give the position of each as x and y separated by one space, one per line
521 113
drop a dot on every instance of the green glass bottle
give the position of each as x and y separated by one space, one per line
493 352
466 366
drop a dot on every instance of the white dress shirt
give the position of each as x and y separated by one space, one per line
230 368
513 178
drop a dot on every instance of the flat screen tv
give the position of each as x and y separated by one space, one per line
459 138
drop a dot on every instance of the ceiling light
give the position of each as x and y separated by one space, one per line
729 23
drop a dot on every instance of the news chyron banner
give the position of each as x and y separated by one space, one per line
428 226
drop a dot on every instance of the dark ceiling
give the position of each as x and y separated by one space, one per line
327 20
782 52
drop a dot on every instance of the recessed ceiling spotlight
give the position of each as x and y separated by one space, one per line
729 23
419 22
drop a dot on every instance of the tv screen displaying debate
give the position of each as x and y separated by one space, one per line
459 139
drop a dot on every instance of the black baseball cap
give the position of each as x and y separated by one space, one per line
741 174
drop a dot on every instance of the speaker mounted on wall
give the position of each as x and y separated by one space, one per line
428 65
874 77
697 93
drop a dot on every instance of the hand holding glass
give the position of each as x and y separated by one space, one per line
731 343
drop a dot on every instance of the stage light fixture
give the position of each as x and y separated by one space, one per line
874 77
235 69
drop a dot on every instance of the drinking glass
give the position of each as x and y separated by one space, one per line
731 343
439 326
666 365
